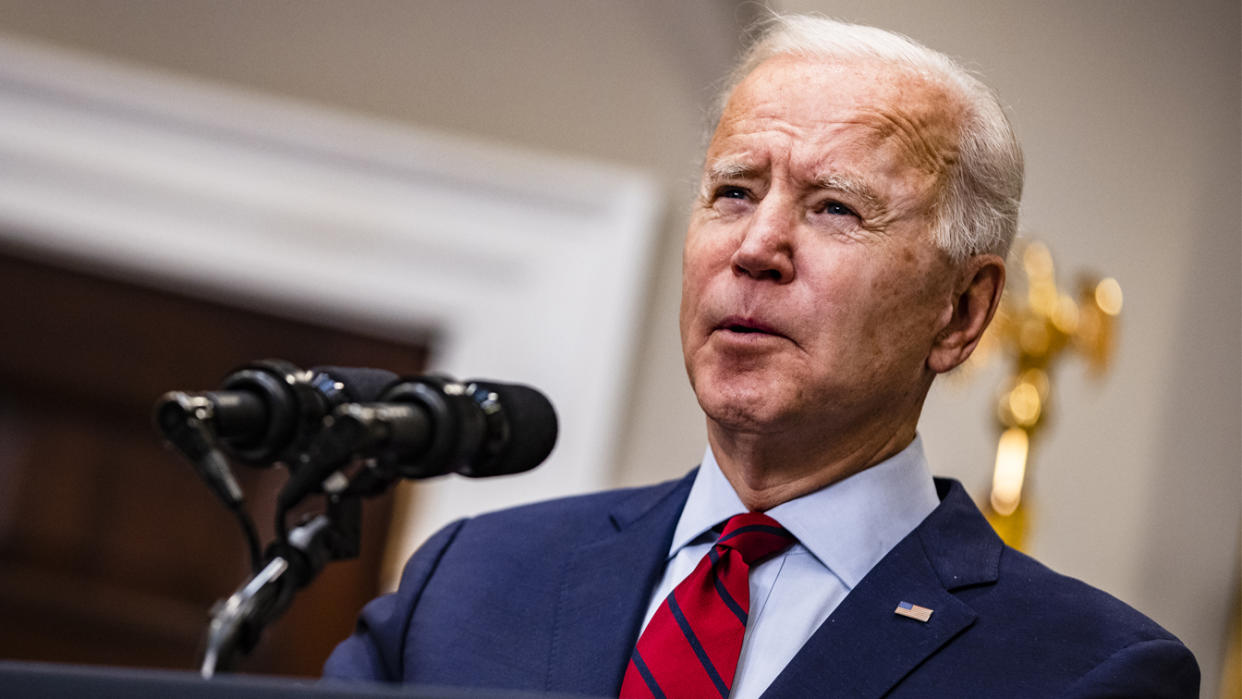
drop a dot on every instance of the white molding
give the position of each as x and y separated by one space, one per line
523 266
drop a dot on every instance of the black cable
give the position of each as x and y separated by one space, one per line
282 525
252 536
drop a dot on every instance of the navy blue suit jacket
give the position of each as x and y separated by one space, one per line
550 597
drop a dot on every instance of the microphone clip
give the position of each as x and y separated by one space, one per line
185 420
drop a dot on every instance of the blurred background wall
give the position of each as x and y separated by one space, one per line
1128 111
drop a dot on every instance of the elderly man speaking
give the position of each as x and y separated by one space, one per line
847 245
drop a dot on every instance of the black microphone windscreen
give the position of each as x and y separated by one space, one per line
361 384
532 427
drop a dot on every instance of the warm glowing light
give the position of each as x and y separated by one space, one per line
1108 296
1041 287
1033 337
1037 378
1037 260
1024 404
1065 315
1010 470
1042 297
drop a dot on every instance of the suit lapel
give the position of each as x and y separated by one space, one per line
864 648
605 588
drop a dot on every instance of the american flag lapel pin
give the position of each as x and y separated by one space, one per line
913 611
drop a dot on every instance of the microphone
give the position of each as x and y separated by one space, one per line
530 431
266 411
477 428
432 425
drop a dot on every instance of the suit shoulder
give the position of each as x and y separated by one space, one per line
1047 596
1102 645
1037 632
1018 597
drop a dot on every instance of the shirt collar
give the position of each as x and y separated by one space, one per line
848 526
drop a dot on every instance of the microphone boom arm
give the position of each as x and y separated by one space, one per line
238 622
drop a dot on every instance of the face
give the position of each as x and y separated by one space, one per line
812 291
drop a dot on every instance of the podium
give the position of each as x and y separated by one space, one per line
51 680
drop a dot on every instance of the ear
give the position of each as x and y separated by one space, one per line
975 299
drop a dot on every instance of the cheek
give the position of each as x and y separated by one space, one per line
890 295
907 307
702 259
700 253
694 279
689 302
885 305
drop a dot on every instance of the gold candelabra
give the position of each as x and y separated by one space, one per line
1035 330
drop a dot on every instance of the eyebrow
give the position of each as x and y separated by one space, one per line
850 185
729 169
834 181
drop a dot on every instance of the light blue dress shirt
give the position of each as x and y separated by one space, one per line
843 531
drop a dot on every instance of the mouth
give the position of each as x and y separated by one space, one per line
747 326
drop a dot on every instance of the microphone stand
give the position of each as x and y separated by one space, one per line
296 557
238 621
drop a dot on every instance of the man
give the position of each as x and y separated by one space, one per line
847 245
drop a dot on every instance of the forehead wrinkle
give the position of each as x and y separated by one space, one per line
929 139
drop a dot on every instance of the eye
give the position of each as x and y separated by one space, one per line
731 200
836 208
731 192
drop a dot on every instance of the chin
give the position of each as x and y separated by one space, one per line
742 406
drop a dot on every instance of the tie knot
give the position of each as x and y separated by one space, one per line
754 535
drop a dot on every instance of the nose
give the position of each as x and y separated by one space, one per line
766 251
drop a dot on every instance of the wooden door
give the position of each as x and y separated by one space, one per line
111 549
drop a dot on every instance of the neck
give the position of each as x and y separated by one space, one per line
772 467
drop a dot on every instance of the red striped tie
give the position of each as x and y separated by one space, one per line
691 645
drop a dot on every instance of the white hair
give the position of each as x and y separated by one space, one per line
977 210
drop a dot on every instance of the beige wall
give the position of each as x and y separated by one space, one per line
1129 113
